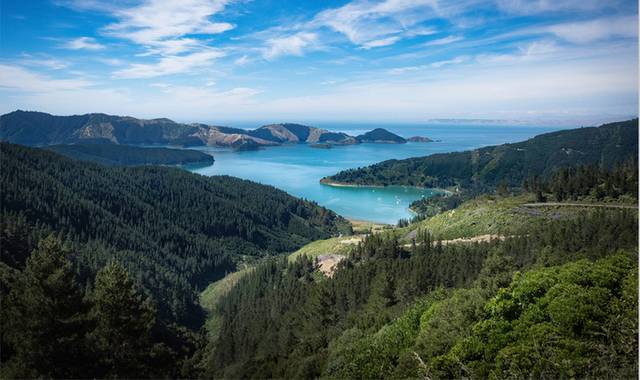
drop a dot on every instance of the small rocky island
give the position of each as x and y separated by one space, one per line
420 139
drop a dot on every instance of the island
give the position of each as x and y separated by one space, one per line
420 139
382 136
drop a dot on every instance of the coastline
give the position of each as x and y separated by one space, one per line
328 182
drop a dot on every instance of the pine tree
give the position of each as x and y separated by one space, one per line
380 301
46 321
123 322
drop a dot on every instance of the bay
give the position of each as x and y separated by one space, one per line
297 169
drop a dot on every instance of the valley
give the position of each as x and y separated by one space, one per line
222 267
334 190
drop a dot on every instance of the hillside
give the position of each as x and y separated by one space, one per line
38 128
393 310
173 230
491 215
605 146
126 155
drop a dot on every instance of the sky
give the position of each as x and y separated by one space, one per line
396 61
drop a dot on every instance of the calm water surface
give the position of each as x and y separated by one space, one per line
297 169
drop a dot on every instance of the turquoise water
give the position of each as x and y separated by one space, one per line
297 169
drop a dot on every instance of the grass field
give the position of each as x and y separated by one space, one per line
337 246
494 215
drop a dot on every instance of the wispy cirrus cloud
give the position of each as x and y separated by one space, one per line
444 41
366 23
164 29
540 6
432 65
381 42
20 79
169 65
162 24
83 43
43 60
596 30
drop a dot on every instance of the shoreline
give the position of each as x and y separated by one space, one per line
327 182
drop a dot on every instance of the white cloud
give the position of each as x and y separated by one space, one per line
111 61
242 60
83 43
540 6
21 88
534 51
289 45
435 65
443 41
454 61
380 43
162 24
364 22
594 88
41 60
20 79
169 65
596 30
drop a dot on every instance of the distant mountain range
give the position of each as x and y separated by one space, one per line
38 128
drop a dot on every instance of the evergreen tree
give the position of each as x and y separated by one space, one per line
123 322
380 301
46 323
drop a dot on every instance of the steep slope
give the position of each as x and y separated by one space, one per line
175 231
393 310
112 154
606 146
380 135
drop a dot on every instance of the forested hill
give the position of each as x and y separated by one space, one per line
126 155
174 231
607 145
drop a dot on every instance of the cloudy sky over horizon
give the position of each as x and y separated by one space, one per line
390 60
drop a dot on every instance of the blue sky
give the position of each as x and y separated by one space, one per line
539 61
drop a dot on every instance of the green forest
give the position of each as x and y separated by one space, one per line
485 168
102 268
126 155
559 301
173 231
